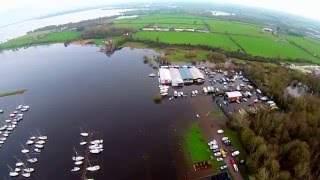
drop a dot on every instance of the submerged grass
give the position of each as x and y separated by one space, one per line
13 93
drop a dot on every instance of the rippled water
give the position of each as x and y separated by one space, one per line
75 86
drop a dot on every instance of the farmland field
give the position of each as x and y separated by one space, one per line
271 48
214 40
311 45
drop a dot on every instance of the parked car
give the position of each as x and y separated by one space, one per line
232 149
217 154
227 142
220 131
223 167
235 153
241 161
232 161
235 167
214 147
223 153
219 159
225 138
215 150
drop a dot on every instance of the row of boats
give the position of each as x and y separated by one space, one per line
10 124
94 147
35 144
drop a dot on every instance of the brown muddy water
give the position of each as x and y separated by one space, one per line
75 86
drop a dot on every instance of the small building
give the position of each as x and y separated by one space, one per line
186 75
197 75
176 79
164 76
233 96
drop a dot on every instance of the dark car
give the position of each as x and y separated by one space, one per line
231 149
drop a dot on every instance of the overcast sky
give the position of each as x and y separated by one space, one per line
17 10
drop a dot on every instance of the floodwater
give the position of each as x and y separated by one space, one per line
21 28
75 86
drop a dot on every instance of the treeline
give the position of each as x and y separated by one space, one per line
233 54
102 31
281 145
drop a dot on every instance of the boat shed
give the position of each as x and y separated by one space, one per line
233 96
176 79
197 75
186 75
164 76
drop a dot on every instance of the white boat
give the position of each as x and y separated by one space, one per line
5 134
26 107
164 94
1 111
75 169
32 160
95 151
40 142
17 169
15 112
77 158
25 151
12 173
9 128
32 137
23 110
96 141
82 133
8 120
3 128
78 162
14 122
96 146
19 107
19 163
26 174
83 143
30 170
152 75
175 93
37 150
29 142
1 142
12 115
93 168
40 136
3 138
40 146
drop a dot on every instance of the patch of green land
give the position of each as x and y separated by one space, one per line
272 48
208 39
196 149
40 38
13 93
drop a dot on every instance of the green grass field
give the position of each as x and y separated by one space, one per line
311 45
50 37
272 48
197 149
214 40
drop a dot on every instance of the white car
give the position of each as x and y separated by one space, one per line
235 167
219 159
217 154
223 167
220 131
235 153
213 142
224 138
214 147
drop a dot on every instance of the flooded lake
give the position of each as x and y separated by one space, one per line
75 86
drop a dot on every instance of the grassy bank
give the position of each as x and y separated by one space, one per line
42 37
196 149
13 93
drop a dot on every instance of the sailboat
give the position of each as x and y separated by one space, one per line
31 160
39 146
77 157
32 137
41 137
28 170
93 168
12 173
37 150
29 142
40 142
24 150
78 162
75 169
19 107
83 142
82 133
96 141
19 163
